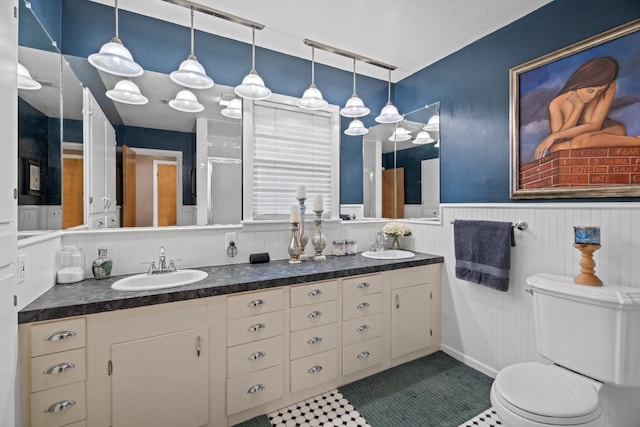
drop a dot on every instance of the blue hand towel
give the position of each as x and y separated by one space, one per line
483 252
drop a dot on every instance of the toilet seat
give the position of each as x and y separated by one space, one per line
547 394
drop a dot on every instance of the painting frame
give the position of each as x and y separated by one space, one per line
517 176
33 177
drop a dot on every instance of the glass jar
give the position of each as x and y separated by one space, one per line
71 265
351 247
101 266
339 247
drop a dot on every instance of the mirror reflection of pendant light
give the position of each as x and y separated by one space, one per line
191 73
312 98
127 92
400 134
423 137
187 102
389 113
433 124
252 86
114 58
354 106
234 109
356 127
25 81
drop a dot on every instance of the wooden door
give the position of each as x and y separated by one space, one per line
410 319
72 192
167 212
128 187
391 186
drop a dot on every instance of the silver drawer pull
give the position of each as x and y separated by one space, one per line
314 369
256 328
59 368
315 293
256 388
314 314
363 306
314 340
256 303
362 328
63 405
363 285
257 355
363 355
59 336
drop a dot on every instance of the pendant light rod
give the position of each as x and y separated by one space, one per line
116 12
342 52
253 48
192 32
313 65
217 13
389 88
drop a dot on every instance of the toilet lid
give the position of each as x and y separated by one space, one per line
540 392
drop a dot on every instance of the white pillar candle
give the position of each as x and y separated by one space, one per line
302 192
318 204
295 213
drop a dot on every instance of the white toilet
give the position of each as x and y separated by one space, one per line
591 335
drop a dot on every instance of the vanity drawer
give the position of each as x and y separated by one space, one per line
254 303
362 285
309 316
246 329
254 389
314 340
61 335
353 308
361 329
427 274
57 369
313 370
313 293
58 406
362 355
254 356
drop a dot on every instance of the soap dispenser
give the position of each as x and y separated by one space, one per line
101 266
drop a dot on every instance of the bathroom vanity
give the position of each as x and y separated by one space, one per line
247 340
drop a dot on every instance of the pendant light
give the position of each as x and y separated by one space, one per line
423 137
25 81
186 102
400 134
114 58
354 106
191 73
252 86
312 98
234 109
356 128
389 113
433 124
127 92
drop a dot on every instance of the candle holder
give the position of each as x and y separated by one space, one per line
304 236
587 274
294 248
319 241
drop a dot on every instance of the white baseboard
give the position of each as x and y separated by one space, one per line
487 370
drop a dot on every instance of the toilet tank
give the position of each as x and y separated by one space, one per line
592 330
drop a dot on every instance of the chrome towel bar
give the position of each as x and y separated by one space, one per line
520 225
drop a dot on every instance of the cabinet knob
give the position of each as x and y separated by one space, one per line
315 293
362 328
363 285
63 405
315 369
59 336
256 388
314 340
256 303
256 328
59 368
257 355
314 314
363 306
363 355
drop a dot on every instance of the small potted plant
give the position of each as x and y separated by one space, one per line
395 230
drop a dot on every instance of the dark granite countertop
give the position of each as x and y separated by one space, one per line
96 296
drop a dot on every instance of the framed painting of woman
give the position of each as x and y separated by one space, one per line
575 120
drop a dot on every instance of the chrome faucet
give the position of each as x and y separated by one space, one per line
162 264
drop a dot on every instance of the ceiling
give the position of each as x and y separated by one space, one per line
410 34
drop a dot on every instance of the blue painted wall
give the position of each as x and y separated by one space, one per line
472 86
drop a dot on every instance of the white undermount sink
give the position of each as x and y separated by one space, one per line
388 254
147 282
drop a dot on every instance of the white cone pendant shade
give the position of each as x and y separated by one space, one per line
191 73
127 92
423 138
355 106
25 81
356 128
252 86
116 59
400 134
389 113
312 98
433 124
234 109
187 102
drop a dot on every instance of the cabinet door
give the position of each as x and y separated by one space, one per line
161 381
410 319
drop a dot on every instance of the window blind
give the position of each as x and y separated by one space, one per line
292 147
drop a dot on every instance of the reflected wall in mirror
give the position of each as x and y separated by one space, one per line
401 167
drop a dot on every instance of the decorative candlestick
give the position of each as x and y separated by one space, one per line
587 274
319 241
294 245
304 236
